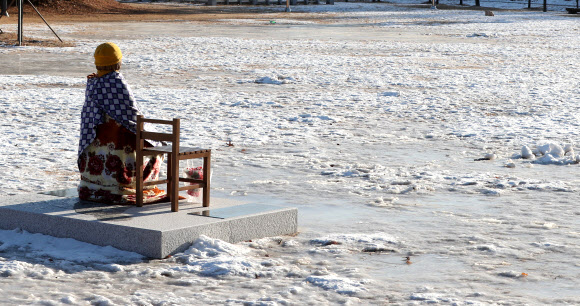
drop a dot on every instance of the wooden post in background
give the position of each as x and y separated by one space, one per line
20 4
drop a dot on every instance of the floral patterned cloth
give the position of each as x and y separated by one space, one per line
106 153
110 95
107 167
194 173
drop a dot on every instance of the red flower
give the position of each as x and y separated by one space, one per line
113 163
124 176
195 173
84 193
194 192
114 198
107 196
102 193
96 165
130 167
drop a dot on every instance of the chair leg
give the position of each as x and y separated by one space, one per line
170 180
174 183
139 164
206 178
169 176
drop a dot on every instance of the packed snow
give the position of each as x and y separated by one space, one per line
431 154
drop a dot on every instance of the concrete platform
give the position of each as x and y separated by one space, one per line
152 230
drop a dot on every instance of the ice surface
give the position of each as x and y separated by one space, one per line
370 123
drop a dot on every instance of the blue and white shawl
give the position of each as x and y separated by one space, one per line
109 94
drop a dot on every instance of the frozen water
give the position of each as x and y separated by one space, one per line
380 127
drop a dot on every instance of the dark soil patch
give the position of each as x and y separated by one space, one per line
70 7
11 39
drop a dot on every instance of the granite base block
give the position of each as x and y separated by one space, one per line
153 230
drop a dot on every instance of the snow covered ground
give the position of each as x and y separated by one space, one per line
396 131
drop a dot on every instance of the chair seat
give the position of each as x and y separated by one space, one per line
182 150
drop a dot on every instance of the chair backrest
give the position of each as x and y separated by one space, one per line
143 135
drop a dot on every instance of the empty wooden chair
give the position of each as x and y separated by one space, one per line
175 153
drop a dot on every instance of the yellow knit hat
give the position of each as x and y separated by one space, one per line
107 54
